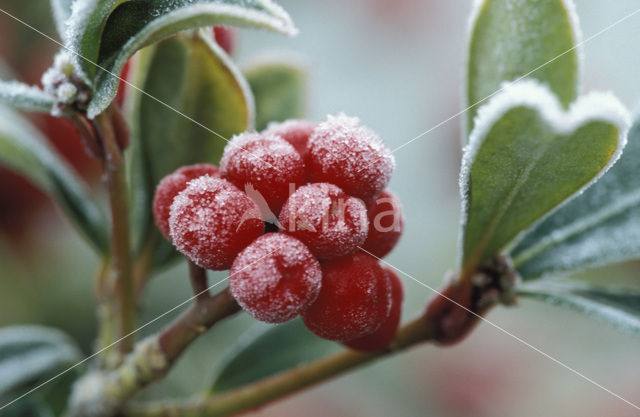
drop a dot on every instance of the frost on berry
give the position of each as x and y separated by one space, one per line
294 131
349 155
330 222
382 337
275 278
385 224
267 162
354 301
211 221
169 187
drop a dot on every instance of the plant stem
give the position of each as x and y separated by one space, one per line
120 250
176 337
198 278
152 358
273 387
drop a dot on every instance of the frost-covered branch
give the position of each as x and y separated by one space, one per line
103 393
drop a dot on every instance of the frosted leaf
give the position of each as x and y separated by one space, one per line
596 228
31 353
22 96
523 165
511 39
100 32
619 307
275 278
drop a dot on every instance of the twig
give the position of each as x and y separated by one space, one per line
450 316
198 279
120 250
151 360
273 387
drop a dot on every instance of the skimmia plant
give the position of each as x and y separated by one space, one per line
298 211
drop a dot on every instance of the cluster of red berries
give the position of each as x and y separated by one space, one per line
324 187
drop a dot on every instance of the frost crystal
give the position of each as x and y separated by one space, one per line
62 82
351 156
275 278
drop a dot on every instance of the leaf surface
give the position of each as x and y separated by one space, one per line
25 97
29 354
106 33
265 350
526 157
279 88
24 150
599 227
209 102
615 306
511 38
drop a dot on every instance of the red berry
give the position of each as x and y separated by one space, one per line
351 156
330 222
385 224
381 338
211 221
268 163
169 187
354 301
275 278
224 37
294 131
122 85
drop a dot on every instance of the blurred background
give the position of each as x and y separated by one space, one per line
397 64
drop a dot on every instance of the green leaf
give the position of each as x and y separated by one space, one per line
526 156
109 32
279 88
31 354
265 350
210 102
61 12
599 227
511 38
25 97
23 149
27 407
616 306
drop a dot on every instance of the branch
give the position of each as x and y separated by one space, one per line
449 317
198 278
120 250
273 387
103 393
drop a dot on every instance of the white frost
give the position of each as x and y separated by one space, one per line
532 94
